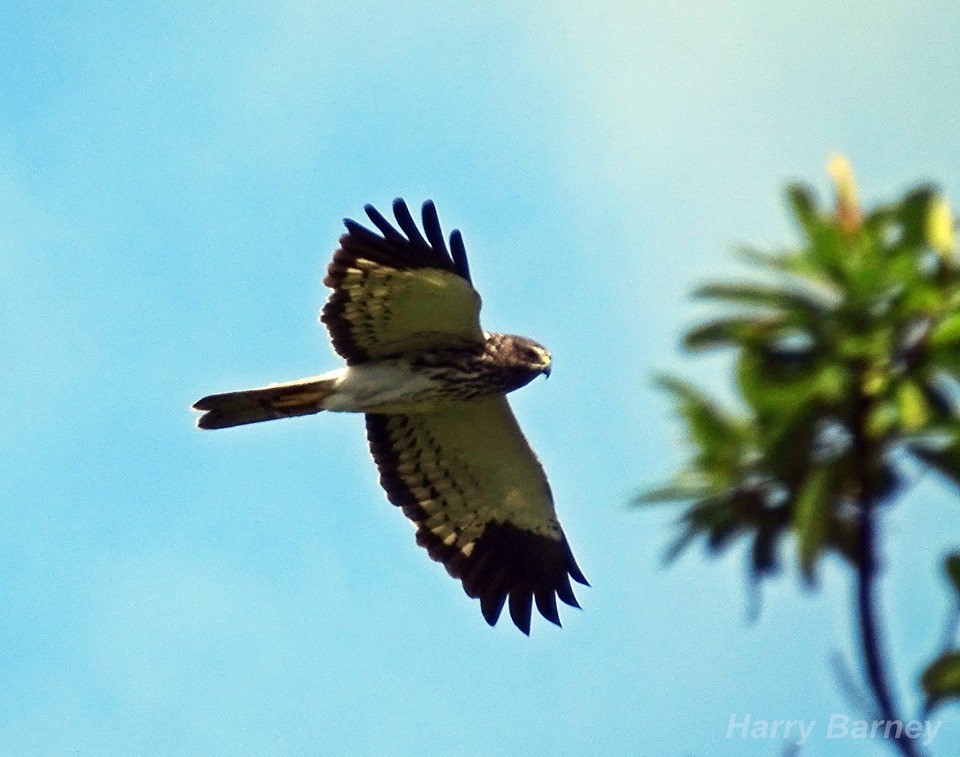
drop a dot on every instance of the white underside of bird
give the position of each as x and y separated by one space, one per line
382 387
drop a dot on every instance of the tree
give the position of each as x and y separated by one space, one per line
847 354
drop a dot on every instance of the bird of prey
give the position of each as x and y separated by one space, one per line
432 384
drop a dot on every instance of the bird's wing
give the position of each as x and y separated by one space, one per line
479 497
399 291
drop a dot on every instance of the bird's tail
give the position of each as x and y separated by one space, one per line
303 397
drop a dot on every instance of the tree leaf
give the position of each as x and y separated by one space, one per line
811 510
675 492
937 394
880 220
709 425
733 330
804 206
763 554
683 540
947 332
945 459
817 300
881 420
789 440
774 382
914 212
944 340
941 680
773 260
912 406
848 203
941 232
952 565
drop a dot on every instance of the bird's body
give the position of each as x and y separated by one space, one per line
432 384
417 382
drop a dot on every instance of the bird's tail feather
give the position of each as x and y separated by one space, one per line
303 397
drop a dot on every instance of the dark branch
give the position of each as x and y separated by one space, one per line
867 569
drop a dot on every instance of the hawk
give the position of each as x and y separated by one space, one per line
432 384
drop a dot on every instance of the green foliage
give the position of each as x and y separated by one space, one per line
847 363
847 353
941 680
811 515
952 565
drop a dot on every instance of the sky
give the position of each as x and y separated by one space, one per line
173 177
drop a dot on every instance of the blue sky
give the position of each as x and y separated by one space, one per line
173 182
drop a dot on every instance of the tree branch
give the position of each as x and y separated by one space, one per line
870 629
865 456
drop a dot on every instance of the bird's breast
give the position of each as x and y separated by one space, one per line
417 384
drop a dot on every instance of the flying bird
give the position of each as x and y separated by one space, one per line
432 383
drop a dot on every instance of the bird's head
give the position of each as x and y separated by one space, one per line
522 357
533 356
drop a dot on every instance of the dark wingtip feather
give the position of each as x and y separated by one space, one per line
491 605
459 252
565 592
577 576
386 228
357 230
412 250
407 224
212 417
572 568
204 403
207 421
547 605
431 225
505 563
521 605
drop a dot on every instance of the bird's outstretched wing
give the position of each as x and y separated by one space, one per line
470 481
399 291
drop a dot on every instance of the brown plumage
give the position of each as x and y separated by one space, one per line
405 317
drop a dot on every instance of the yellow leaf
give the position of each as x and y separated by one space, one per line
914 410
940 227
848 205
874 382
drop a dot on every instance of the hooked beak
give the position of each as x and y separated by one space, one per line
546 370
